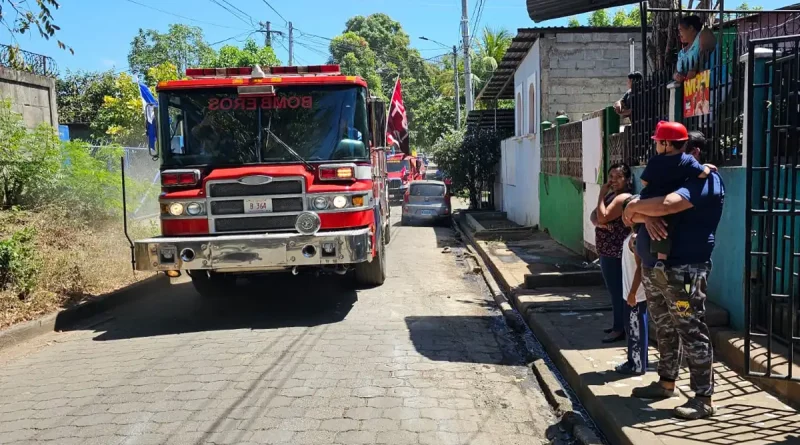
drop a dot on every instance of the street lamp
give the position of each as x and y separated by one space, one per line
455 77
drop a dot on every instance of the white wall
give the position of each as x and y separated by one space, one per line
521 154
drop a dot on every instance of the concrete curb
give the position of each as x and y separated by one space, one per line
68 317
550 385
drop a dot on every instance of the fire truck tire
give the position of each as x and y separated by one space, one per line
212 286
373 273
387 234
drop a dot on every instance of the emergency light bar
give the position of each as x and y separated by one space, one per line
273 70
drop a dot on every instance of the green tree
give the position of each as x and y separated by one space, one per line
120 118
356 58
599 18
249 55
470 158
183 46
493 46
573 22
160 73
28 159
20 17
437 116
79 95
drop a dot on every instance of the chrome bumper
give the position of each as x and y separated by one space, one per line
252 252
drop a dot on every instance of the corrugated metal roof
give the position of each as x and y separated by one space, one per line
503 119
501 85
541 10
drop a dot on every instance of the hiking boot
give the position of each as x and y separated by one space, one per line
652 391
694 409
627 369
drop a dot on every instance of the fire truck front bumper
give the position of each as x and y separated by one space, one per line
255 252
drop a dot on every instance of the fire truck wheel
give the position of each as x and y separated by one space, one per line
213 285
387 233
372 273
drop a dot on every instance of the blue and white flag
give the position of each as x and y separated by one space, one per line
149 105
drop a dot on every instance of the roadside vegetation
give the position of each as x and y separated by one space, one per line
61 238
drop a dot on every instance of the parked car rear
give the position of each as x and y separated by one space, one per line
426 201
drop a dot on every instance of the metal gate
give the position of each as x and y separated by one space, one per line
772 222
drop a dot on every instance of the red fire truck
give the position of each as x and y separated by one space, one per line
269 170
401 169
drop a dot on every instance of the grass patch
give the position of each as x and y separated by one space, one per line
68 261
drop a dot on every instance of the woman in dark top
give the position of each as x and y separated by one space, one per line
610 233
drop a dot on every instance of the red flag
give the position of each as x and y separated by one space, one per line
397 125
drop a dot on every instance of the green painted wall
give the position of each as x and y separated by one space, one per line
561 210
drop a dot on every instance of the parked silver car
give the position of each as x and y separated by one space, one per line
426 201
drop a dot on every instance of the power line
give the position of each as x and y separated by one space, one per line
249 33
179 16
276 12
240 11
216 2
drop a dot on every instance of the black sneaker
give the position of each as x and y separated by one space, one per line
652 391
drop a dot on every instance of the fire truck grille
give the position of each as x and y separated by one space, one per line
266 223
231 189
395 184
236 207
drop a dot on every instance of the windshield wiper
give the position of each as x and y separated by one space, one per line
294 154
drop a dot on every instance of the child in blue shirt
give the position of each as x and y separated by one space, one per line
665 173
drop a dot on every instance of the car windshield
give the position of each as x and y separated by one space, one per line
394 166
427 190
217 127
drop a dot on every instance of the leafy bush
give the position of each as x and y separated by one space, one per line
470 159
19 263
28 159
89 185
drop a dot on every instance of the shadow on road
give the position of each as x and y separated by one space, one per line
271 302
468 339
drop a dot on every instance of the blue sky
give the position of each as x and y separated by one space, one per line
100 31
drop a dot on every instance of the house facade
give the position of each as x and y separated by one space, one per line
576 70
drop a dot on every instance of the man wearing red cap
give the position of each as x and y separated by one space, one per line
676 286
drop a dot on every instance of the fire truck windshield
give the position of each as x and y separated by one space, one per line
397 166
216 127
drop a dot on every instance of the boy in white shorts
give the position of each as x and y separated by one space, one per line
635 310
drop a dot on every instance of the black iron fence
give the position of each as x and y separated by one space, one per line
711 97
15 58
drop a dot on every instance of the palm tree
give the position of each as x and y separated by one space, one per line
493 46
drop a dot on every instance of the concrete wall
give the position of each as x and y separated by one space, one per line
561 200
521 154
32 96
726 283
584 72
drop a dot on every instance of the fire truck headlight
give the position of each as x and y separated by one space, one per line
194 209
176 209
340 202
320 203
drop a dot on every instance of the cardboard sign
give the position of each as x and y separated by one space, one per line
696 95
265 103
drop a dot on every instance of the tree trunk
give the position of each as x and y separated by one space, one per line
663 40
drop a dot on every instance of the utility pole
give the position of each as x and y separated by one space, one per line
268 32
467 68
458 96
291 44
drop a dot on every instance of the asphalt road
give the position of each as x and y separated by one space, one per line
423 359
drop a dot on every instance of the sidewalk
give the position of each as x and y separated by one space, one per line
567 311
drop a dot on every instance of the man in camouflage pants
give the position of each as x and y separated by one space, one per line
676 300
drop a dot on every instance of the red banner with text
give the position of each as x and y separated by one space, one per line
397 125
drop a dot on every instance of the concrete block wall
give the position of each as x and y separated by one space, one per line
585 72
31 95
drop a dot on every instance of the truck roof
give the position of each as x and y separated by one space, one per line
237 77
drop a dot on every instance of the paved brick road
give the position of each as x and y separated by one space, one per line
423 359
